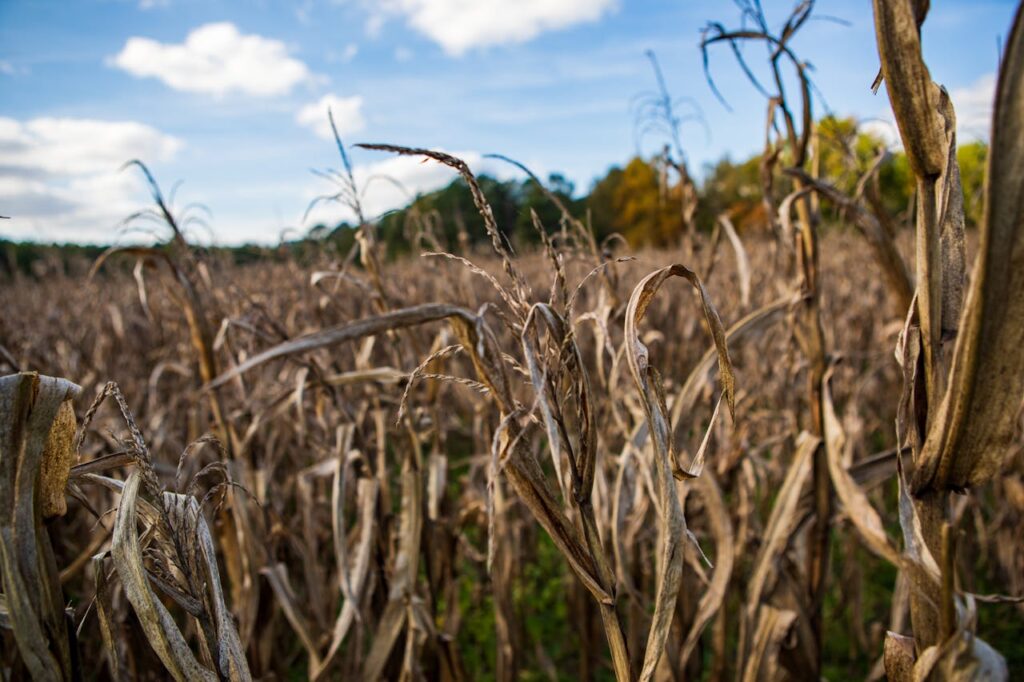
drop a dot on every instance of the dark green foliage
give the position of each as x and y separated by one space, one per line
448 212
733 188
31 257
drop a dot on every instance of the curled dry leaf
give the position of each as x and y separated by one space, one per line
672 524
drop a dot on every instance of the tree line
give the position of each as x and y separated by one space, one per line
641 199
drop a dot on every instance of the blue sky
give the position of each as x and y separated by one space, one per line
230 98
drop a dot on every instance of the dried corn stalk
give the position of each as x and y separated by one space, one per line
967 412
975 424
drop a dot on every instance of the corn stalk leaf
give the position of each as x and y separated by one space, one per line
159 627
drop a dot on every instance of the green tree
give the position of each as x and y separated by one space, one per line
450 211
735 190
972 158
530 197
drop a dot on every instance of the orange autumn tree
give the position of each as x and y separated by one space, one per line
636 202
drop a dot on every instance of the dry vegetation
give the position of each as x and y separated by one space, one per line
556 464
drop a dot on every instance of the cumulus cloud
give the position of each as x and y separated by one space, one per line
60 179
216 59
461 25
347 111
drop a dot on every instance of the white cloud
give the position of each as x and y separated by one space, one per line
216 59
974 105
393 182
884 128
347 112
9 69
374 23
60 179
343 56
461 25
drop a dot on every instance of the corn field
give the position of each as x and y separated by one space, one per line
783 456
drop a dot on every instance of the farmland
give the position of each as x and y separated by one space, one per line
769 439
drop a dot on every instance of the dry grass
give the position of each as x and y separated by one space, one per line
549 464
331 478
